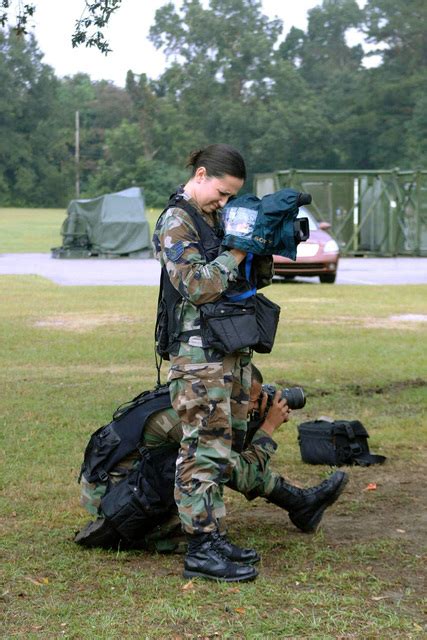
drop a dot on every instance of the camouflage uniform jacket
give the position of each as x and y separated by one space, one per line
177 246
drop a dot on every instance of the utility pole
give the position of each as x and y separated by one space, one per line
77 154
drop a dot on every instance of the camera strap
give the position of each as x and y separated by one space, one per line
251 292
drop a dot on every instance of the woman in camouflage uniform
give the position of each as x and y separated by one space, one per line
209 390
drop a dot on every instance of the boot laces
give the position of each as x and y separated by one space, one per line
311 490
216 544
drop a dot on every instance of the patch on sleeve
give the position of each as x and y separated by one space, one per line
175 252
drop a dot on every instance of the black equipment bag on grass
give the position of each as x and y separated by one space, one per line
336 443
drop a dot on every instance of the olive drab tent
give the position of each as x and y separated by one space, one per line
110 226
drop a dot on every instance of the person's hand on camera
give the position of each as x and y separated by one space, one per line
263 404
238 254
278 413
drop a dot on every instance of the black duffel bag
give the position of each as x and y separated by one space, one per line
336 443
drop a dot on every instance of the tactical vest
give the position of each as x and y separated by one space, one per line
111 443
168 332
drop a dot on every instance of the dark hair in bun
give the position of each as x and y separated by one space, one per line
218 160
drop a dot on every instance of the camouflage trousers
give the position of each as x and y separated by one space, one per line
211 400
251 475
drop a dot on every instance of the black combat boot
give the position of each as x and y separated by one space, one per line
306 506
233 552
98 533
204 560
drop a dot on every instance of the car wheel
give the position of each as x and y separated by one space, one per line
328 278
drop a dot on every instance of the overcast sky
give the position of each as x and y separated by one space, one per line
127 34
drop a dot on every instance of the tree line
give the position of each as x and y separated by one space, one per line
306 101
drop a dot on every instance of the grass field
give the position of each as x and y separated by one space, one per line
70 355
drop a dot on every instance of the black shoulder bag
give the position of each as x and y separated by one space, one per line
336 443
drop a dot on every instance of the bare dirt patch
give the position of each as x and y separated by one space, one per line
396 509
393 387
81 323
360 389
412 321
57 375
381 531
410 317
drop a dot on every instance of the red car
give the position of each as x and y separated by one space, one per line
318 256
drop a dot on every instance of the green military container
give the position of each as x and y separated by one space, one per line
370 212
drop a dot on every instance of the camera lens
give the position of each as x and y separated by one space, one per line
295 397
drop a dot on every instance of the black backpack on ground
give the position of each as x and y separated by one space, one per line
144 498
111 443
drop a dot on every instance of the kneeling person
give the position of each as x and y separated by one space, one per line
251 475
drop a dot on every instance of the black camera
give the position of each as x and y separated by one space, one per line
294 395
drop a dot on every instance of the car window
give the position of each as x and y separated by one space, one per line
312 222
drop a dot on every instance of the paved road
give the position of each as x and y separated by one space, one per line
369 271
